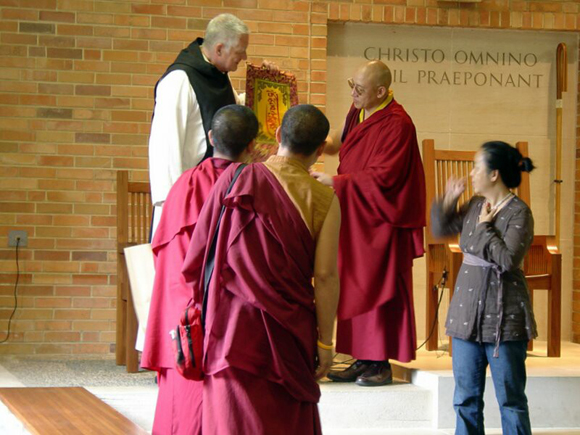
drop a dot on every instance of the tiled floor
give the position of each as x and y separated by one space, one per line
134 395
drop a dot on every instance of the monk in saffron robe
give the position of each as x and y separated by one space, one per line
381 188
179 400
268 329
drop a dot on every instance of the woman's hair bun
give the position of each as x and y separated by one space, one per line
526 165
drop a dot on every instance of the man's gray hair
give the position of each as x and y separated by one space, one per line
226 29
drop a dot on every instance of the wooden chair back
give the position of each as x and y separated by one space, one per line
134 211
439 166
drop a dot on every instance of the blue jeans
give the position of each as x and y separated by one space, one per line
508 371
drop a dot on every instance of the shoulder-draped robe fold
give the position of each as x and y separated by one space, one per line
171 293
260 315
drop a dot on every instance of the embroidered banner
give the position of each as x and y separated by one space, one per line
269 94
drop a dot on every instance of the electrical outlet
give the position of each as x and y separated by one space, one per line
15 235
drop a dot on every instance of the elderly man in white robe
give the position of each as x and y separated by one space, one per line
194 87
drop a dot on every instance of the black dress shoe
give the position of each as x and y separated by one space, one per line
376 375
350 374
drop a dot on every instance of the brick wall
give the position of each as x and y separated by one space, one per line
76 94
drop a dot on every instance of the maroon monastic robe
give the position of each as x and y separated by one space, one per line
179 401
260 330
381 188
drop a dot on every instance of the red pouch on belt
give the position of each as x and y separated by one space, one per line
187 339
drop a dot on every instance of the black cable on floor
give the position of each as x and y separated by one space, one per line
15 293
441 284
341 364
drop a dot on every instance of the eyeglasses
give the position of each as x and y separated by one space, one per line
358 90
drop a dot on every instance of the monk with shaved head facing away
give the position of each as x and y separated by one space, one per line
269 325
178 410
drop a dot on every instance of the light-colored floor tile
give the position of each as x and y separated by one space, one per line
135 395
8 380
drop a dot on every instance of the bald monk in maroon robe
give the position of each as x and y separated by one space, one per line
179 400
381 188
268 330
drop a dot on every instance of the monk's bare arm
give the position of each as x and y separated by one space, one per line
333 141
326 284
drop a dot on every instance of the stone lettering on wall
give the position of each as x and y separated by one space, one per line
428 56
462 87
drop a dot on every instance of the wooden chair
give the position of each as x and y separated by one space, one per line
542 265
134 210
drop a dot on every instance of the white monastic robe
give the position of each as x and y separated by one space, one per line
177 122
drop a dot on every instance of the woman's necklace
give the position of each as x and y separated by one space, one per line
500 203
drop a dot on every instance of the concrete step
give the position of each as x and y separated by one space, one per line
400 405
137 403
399 409
553 388
552 399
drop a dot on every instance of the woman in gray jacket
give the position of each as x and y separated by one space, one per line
490 317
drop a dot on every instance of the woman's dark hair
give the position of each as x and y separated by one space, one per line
508 161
